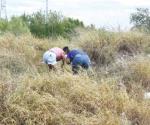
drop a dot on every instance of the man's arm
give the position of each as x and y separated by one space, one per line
68 61
63 63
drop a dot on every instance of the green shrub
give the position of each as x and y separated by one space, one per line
3 25
17 26
56 24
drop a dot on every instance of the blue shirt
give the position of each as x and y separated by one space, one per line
73 53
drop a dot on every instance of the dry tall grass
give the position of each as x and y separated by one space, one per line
103 46
30 95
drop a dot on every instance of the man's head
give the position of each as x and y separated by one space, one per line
66 49
49 58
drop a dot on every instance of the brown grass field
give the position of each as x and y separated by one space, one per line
111 93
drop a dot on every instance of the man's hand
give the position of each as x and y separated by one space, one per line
68 61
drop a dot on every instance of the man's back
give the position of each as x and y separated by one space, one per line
73 53
59 53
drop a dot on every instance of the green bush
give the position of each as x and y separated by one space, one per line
56 24
141 20
17 26
3 25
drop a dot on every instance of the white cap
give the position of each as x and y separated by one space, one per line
49 58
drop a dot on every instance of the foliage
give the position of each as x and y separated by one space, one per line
15 25
3 25
55 25
141 19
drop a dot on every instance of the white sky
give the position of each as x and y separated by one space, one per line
107 13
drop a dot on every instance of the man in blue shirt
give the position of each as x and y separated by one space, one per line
77 58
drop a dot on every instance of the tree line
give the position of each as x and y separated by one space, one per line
59 25
36 24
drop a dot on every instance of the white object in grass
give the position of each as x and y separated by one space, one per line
147 95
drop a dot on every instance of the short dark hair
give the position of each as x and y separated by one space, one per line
66 48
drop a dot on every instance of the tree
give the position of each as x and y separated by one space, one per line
17 26
3 25
141 19
56 24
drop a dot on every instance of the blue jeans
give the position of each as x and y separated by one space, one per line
82 60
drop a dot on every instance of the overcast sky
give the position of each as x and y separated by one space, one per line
102 13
